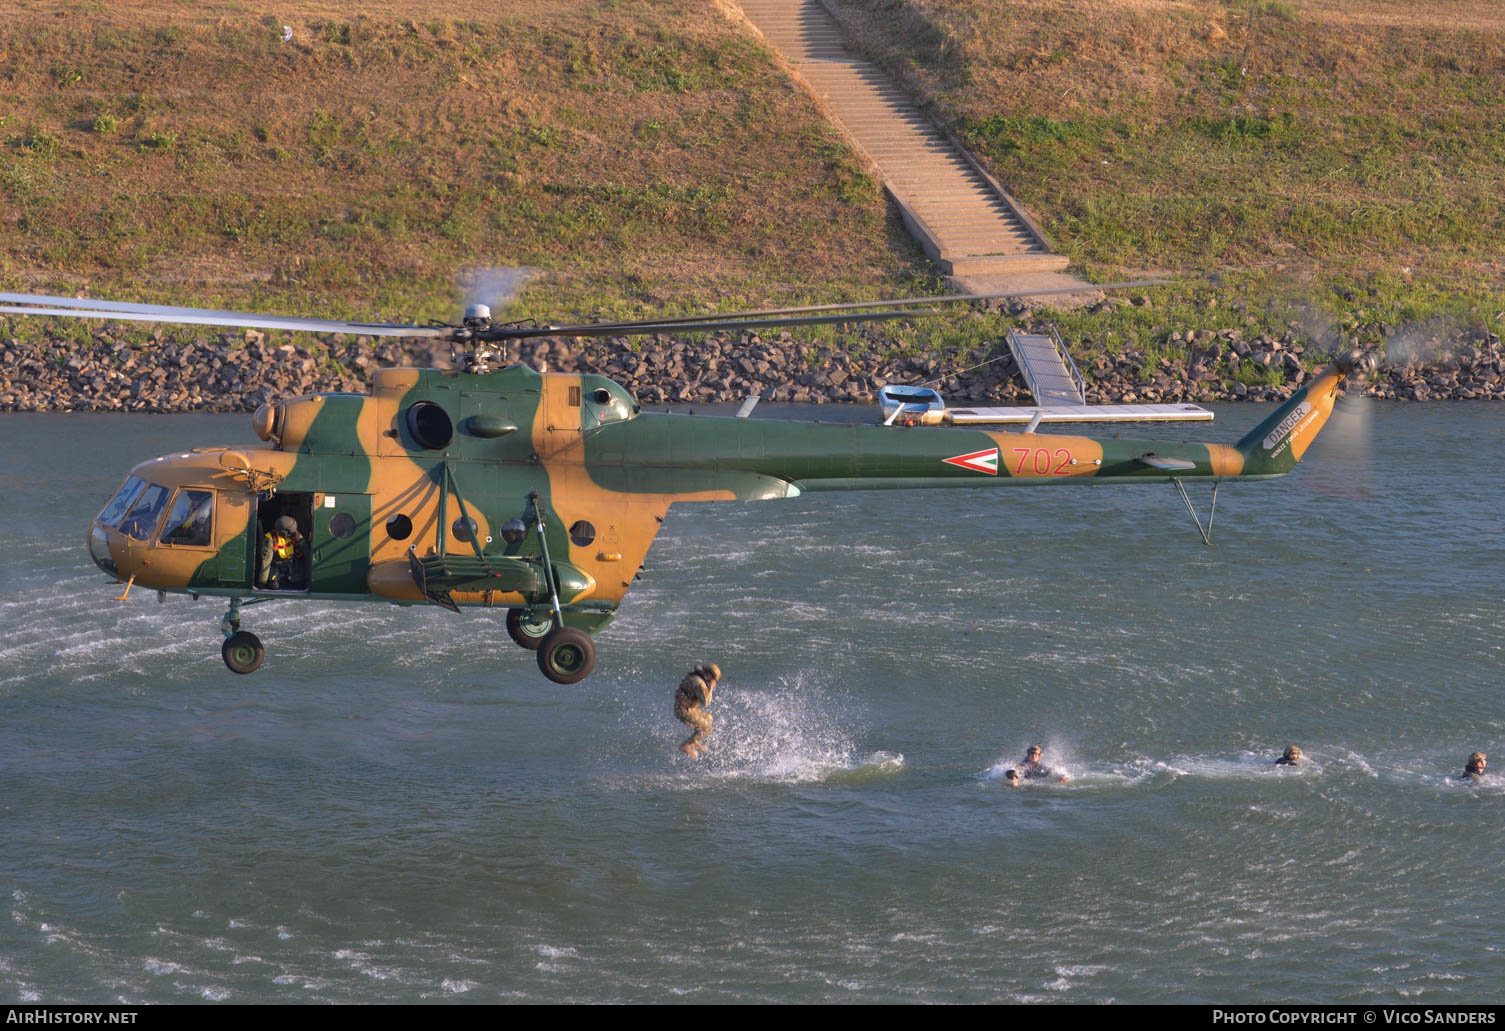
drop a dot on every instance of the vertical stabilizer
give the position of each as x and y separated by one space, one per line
1277 444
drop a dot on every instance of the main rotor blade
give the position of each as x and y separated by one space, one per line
695 321
603 329
86 308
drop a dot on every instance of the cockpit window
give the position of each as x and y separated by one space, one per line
113 512
188 519
142 519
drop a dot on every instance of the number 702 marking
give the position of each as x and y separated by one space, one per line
1043 461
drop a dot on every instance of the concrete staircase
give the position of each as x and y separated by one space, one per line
965 220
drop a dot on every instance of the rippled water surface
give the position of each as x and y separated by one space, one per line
397 807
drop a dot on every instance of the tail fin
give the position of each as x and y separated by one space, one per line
1277 444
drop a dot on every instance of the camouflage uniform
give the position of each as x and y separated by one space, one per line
690 707
1475 768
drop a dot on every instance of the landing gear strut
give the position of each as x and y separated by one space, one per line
242 650
566 654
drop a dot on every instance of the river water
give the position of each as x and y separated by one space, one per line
397 807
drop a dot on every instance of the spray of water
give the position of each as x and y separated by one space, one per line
791 732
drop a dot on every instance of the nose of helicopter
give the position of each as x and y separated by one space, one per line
99 549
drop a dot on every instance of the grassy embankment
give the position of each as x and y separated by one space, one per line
1340 163
647 156
1341 166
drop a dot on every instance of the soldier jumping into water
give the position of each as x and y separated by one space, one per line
691 706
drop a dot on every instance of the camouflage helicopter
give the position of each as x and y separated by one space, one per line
541 493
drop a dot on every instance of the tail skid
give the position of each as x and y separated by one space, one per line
1275 446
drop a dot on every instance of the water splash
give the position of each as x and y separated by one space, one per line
792 732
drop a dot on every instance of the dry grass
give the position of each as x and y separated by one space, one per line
643 154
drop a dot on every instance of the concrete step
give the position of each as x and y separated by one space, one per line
1001 264
960 219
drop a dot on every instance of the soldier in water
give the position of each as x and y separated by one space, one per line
692 700
1031 768
1475 768
1292 756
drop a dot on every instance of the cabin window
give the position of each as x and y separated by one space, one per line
463 530
582 533
116 509
144 514
399 527
342 525
188 521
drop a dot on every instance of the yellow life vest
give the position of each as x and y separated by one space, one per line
282 544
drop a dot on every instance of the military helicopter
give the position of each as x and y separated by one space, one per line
541 493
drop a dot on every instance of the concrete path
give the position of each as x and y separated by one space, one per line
965 221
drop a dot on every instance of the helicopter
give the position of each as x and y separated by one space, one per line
541 493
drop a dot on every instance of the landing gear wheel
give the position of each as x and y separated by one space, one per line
527 633
567 655
242 652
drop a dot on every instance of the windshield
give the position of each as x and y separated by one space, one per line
142 519
188 519
116 508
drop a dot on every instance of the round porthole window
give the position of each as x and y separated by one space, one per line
582 533
399 527
514 530
342 525
464 530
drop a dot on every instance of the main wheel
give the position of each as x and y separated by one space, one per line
527 633
567 655
242 652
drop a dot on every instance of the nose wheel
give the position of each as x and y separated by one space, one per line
242 652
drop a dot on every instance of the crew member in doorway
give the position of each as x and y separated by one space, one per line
1031 768
283 562
1292 756
692 701
1475 768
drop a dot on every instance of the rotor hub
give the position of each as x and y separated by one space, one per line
477 316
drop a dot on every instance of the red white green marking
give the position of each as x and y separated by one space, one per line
977 461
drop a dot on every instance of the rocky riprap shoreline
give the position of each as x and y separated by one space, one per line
239 371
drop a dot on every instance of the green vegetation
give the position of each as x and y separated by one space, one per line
651 157
1308 150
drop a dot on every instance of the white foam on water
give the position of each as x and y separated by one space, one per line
553 952
214 993
456 987
158 967
790 733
